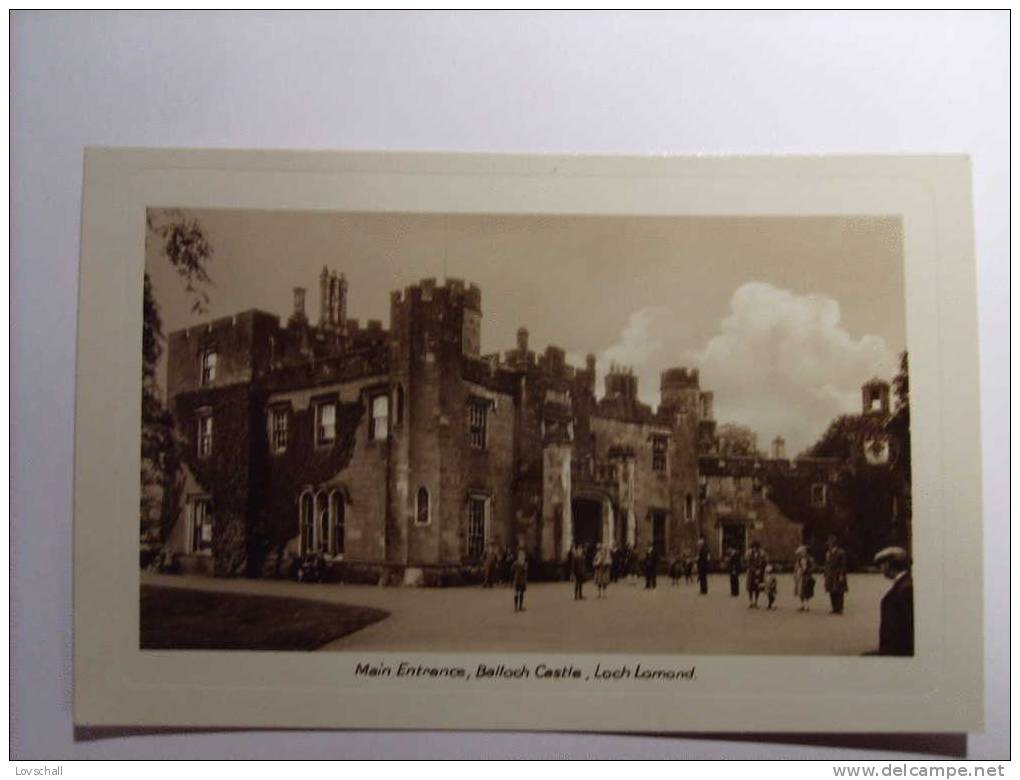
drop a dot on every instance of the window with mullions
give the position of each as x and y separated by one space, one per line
207 362
201 526
476 527
478 412
278 429
379 426
205 434
660 448
325 423
337 510
307 525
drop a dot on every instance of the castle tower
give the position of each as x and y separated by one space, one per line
432 328
690 409
620 381
679 389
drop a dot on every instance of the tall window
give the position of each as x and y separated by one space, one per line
278 429
477 413
201 526
476 527
380 424
337 512
660 447
688 507
325 423
421 515
321 523
307 523
205 434
208 366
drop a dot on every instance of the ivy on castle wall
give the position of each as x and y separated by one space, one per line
254 493
224 474
283 476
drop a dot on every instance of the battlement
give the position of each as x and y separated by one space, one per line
621 381
679 378
453 291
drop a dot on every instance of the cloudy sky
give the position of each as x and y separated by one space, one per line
785 316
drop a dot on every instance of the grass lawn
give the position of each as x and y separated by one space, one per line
184 619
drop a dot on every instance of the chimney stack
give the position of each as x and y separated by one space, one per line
779 448
522 340
324 298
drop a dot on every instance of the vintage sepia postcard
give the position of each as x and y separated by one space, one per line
460 441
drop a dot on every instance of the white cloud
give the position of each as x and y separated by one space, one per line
783 364
649 342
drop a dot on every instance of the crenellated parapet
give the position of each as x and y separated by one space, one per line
679 378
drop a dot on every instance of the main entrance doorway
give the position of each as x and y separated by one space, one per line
587 517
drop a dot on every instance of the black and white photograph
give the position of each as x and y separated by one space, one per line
398 432
533 384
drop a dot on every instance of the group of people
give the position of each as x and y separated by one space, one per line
761 576
896 631
497 566
601 562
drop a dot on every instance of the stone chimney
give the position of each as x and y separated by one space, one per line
341 301
324 298
522 340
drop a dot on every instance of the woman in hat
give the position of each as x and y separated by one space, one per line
603 563
803 577
756 563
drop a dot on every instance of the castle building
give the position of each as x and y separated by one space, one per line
406 453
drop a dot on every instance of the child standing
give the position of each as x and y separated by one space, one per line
771 586
519 579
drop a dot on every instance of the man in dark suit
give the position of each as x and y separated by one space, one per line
896 631
651 567
835 575
578 570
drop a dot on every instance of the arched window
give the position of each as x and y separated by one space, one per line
337 510
421 516
305 523
322 523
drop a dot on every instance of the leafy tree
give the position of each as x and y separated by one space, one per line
899 425
736 440
182 242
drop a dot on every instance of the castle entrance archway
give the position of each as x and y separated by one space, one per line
587 521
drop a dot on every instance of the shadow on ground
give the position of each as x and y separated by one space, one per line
179 619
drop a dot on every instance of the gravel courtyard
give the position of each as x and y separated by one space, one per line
669 619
